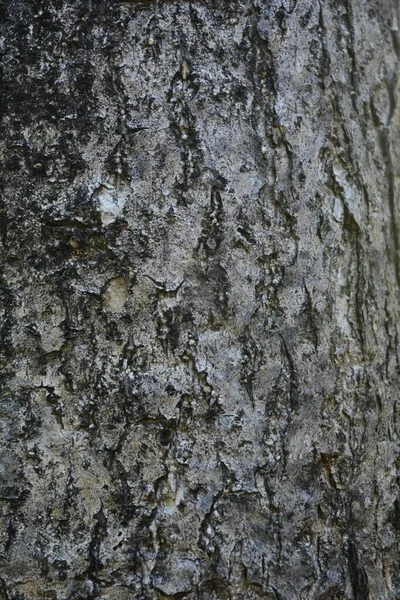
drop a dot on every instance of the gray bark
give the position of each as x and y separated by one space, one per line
200 300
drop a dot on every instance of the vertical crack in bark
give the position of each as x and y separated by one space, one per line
358 576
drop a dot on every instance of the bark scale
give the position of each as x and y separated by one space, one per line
199 295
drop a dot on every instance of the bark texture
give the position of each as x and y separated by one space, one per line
200 300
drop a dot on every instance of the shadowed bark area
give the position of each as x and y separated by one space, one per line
199 300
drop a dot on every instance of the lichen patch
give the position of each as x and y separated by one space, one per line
115 294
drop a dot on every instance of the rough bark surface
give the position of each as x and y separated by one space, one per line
200 300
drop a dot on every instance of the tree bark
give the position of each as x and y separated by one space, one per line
200 300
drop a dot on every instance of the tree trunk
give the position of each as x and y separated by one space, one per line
200 300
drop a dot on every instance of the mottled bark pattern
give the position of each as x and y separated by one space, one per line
200 300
